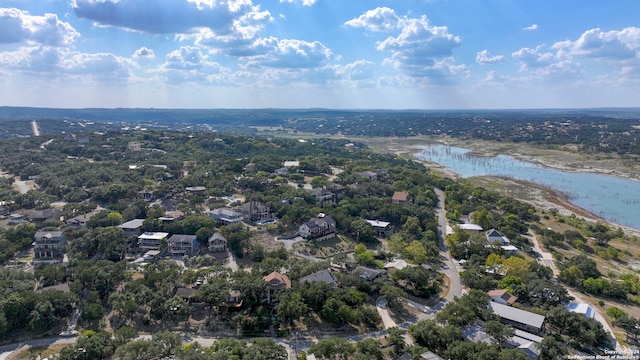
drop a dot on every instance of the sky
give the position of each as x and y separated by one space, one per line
339 54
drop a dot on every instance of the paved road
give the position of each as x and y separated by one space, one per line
450 269
546 259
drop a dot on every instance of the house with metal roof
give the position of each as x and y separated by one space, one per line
519 319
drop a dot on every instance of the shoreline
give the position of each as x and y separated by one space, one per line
551 196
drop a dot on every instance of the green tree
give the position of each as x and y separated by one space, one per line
291 307
333 348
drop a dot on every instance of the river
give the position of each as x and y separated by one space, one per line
612 198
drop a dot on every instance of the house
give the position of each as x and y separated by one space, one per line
494 235
401 197
233 303
276 283
80 221
526 342
582 308
48 246
476 334
397 264
134 146
171 216
147 195
38 217
217 243
371 175
319 228
198 190
472 228
430 355
151 256
367 273
181 245
283 171
151 240
324 276
132 227
225 216
381 228
254 211
323 196
186 293
502 297
64 287
519 319
289 164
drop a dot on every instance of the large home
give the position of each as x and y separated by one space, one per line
38 217
318 228
323 196
519 319
151 240
401 197
494 235
80 221
48 246
254 211
276 283
181 245
367 273
225 216
217 243
381 228
132 227
502 297
324 276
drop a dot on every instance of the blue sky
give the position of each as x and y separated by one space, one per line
364 54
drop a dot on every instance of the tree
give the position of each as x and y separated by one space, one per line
332 348
291 307
395 296
551 348
395 338
370 348
499 331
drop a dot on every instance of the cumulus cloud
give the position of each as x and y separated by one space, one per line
304 2
188 63
610 45
530 27
61 63
18 26
357 70
378 19
483 57
144 53
533 58
423 50
290 53
168 16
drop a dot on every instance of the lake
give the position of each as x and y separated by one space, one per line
612 198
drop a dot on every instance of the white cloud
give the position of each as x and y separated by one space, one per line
378 19
357 70
144 53
423 50
289 53
611 45
533 58
530 27
41 60
483 57
18 26
304 2
169 16
189 64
